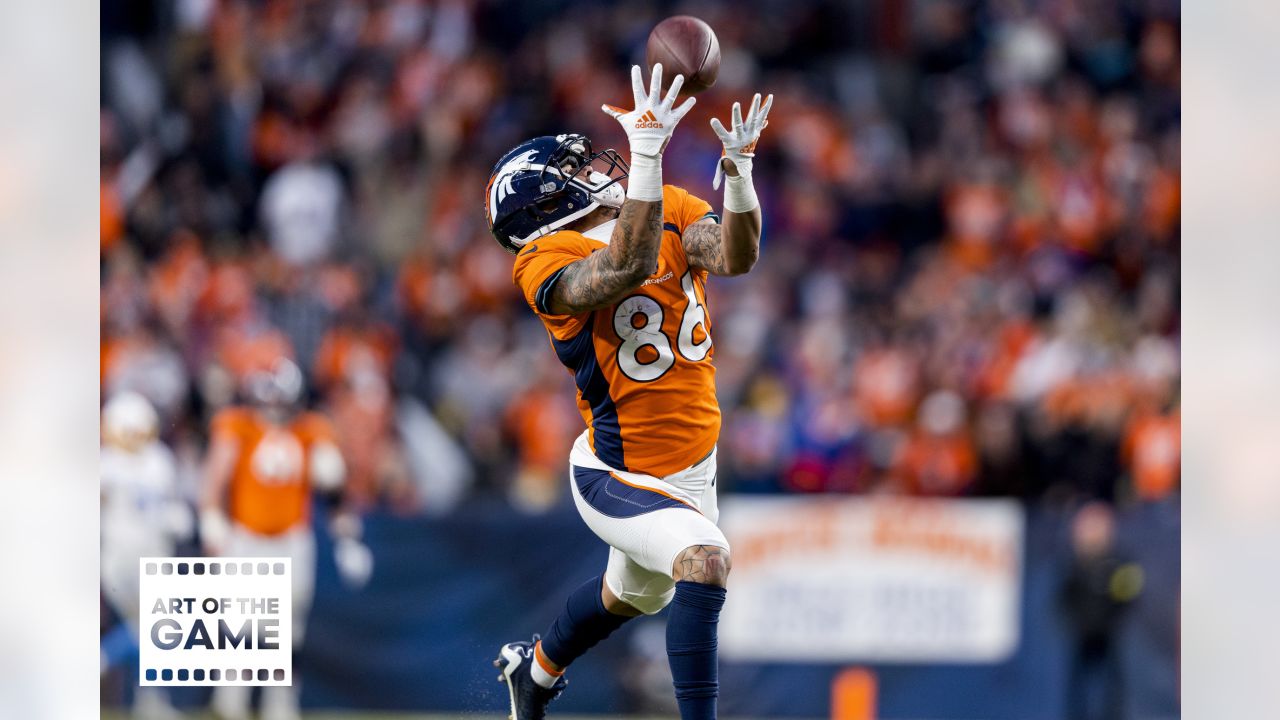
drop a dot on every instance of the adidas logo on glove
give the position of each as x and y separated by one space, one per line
648 121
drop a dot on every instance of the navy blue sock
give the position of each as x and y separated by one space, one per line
583 623
691 648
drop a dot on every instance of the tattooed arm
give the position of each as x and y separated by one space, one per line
632 255
608 274
724 249
732 248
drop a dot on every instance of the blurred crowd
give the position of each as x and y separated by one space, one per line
969 280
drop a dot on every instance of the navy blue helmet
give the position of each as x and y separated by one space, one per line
545 183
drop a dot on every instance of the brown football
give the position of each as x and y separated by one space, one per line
685 46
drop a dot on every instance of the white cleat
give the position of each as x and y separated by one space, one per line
529 700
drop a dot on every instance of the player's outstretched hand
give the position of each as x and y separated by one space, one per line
740 140
354 561
650 124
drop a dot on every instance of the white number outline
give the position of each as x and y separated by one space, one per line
695 314
632 338
278 458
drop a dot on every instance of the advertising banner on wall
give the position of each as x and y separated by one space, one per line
821 579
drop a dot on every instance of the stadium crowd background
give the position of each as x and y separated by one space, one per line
969 282
970 270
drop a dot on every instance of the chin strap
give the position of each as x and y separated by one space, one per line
607 201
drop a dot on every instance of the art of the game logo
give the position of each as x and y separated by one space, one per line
221 621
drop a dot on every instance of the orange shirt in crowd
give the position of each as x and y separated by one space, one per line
975 213
228 294
544 431
1162 209
1102 398
108 356
1010 345
270 486
110 217
178 279
345 350
885 387
414 286
367 441
938 465
1153 451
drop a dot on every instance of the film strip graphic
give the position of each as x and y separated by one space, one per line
215 621
214 567
261 675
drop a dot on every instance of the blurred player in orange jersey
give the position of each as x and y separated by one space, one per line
264 460
619 280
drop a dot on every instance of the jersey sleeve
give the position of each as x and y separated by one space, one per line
681 209
313 428
228 424
538 268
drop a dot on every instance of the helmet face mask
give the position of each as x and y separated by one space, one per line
548 182
275 392
597 173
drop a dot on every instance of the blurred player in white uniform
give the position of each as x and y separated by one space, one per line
142 516
264 460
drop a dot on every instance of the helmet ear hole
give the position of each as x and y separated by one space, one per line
544 183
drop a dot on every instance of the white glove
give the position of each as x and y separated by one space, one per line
354 561
649 127
328 470
740 141
650 124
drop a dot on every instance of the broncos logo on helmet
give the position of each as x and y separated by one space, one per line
545 183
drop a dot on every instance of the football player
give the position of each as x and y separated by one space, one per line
618 278
143 515
264 460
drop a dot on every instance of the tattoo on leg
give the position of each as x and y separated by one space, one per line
707 564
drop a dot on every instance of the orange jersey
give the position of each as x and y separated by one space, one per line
646 385
1153 450
270 490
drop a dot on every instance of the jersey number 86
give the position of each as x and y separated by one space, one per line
647 333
